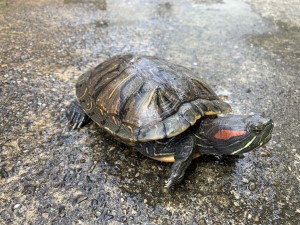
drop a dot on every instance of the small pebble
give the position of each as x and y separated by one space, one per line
252 186
236 204
108 217
45 215
3 173
245 180
237 196
202 222
256 219
62 211
16 206
264 153
81 199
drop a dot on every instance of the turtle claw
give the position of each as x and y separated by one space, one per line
168 184
174 179
75 126
76 116
80 124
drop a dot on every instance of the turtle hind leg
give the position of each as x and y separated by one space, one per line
183 149
76 115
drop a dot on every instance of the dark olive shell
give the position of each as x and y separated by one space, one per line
143 98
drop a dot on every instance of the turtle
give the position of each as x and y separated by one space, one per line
164 111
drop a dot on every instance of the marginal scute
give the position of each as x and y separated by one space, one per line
100 119
153 132
126 133
113 124
211 107
144 98
175 125
189 113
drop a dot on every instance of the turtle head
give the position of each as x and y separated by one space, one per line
233 134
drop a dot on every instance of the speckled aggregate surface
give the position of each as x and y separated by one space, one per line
248 51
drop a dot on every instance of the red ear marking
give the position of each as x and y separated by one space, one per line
227 134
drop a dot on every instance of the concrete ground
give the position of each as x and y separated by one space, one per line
248 51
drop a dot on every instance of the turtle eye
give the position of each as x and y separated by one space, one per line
256 131
258 128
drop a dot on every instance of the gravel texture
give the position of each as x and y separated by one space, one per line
248 51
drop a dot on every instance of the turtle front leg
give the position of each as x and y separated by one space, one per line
76 115
183 149
180 147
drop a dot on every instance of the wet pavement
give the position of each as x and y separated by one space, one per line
248 51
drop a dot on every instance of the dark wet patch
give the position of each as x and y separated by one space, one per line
99 4
284 43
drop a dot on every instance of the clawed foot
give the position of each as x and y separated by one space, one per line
171 182
76 116
183 147
177 172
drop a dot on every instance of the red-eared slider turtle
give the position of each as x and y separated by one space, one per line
164 111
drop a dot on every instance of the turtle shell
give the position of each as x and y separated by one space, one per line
144 98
